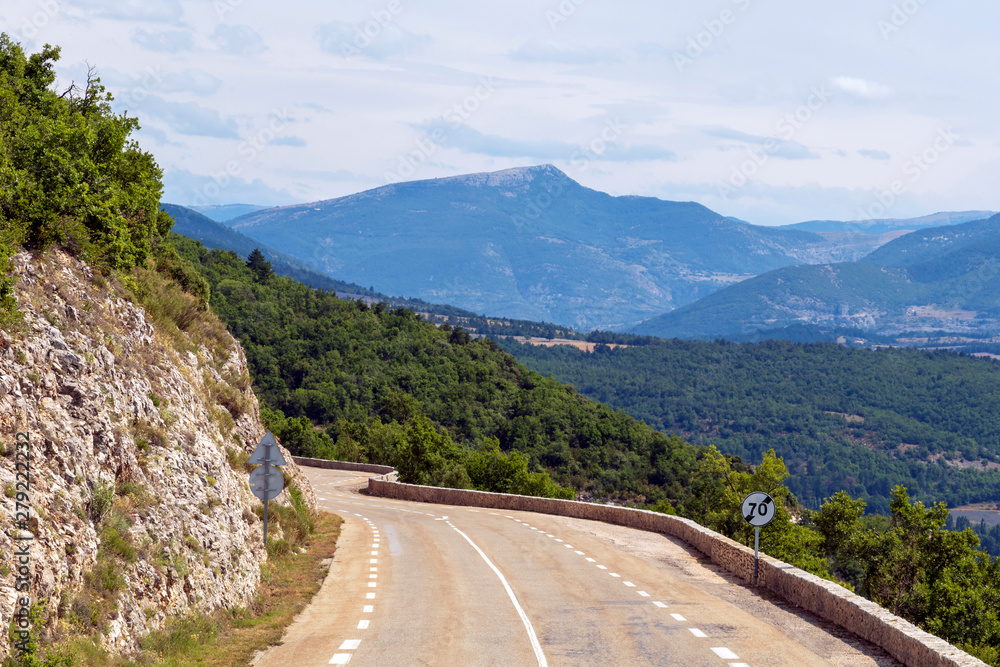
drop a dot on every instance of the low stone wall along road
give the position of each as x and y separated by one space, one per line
426 584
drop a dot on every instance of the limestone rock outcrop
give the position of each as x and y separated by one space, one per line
139 491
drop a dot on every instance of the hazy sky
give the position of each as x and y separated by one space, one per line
774 111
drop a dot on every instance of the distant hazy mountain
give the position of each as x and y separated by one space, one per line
928 244
225 212
940 279
532 243
889 225
191 223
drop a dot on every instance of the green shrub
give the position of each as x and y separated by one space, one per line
102 497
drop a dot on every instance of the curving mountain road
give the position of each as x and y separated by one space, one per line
420 584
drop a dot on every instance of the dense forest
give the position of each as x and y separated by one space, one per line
350 368
341 378
843 419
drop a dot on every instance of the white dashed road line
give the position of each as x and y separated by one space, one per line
725 653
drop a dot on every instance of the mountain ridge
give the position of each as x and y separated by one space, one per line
532 243
941 279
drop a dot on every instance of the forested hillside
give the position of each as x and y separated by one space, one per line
858 420
358 371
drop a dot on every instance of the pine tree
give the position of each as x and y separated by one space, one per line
261 267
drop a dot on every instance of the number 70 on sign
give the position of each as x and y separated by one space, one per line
758 509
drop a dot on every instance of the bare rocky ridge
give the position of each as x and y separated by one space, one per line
108 399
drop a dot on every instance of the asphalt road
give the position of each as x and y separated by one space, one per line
421 584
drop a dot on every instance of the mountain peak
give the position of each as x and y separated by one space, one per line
516 176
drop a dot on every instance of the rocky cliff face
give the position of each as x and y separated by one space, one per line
140 505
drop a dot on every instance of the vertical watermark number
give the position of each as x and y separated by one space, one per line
22 537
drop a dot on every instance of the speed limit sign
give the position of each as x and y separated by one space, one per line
758 509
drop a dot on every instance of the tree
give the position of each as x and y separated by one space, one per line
260 267
69 173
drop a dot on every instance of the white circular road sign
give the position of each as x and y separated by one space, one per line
758 509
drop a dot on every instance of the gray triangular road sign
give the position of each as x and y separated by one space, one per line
267 450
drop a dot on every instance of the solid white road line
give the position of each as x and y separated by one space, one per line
539 655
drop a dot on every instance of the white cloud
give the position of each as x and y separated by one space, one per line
783 148
874 154
164 41
469 140
534 51
860 87
188 118
186 188
378 43
165 11
238 40
196 81
297 142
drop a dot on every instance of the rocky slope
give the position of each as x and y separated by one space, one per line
138 439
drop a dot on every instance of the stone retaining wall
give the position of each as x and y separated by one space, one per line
901 639
387 472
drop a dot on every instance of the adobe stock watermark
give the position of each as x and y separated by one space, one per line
914 168
455 117
223 7
562 12
248 150
902 14
702 41
580 161
367 32
785 130
22 536
47 11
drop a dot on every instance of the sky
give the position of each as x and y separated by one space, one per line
772 111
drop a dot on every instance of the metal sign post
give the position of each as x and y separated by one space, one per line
266 482
758 510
